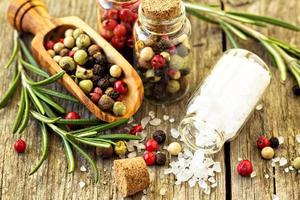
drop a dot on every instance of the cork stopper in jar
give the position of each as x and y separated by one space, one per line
161 9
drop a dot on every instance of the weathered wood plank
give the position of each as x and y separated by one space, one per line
280 116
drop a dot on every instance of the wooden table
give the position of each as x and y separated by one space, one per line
280 117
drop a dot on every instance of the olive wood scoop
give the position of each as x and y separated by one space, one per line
32 16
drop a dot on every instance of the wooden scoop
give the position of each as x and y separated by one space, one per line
32 16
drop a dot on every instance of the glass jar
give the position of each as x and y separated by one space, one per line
116 19
162 52
221 106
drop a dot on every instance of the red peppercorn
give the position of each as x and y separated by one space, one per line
121 87
263 142
244 168
126 15
173 50
20 146
72 115
98 90
71 53
49 44
158 61
112 14
107 34
61 40
118 42
151 145
120 30
136 129
134 16
109 24
149 158
95 97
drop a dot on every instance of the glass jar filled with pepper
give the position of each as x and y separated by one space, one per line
115 21
162 53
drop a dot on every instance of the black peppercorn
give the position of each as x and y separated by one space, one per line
100 59
89 63
274 142
182 50
162 45
99 70
95 79
160 159
159 91
112 81
103 83
159 72
296 90
159 136
114 95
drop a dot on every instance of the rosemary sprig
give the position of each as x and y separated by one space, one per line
235 25
33 92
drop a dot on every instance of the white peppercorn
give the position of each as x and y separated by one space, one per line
69 42
166 56
146 53
57 58
69 33
173 86
64 52
174 148
115 71
267 153
51 53
80 57
58 47
296 163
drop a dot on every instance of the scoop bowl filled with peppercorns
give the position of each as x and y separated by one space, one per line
95 73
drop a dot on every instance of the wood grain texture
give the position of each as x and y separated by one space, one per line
280 117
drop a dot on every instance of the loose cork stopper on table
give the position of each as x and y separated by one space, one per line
161 9
131 175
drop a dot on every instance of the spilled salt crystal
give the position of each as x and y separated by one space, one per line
281 139
172 120
155 122
132 154
253 174
162 191
166 117
275 197
298 138
83 169
174 133
267 176
214 185
291 168
282 161
145 121
286 170
81 184
259 106
152 114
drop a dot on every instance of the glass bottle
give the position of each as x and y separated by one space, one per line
223 103
162 51
116 19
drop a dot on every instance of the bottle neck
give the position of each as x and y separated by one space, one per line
162 26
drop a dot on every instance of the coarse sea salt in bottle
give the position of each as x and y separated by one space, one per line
225 100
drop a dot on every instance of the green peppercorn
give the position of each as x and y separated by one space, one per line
69 42
115 71
173 86
69 32
150 73
83 73
51 53
106 103
57 58
58 47
86 86
83 41
75 49
139 45
121 148
119 108
67 63
77 32
105 152
179 62
80 57
160 159
174 74
93 49
166 56
64 52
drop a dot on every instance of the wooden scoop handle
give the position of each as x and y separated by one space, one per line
29 16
